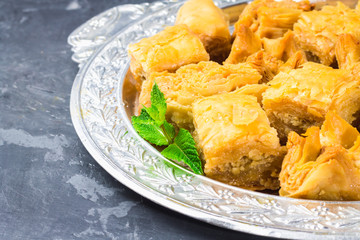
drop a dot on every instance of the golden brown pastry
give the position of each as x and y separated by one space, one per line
318 31
294 62
355 151
267 65
170 49
347 51
255 90
275 22
355 70
195 81
270 18
282 48
319 166
336 130
245 44
236 141
209 23
300 98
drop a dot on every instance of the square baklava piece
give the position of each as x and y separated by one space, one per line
195 81
168 50
300 98
318 31
236 141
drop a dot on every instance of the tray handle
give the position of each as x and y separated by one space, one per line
88 37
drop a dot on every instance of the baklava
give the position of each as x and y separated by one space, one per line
236 141
300 98
317 31
195 81
270 18
169 49
210 24
323 167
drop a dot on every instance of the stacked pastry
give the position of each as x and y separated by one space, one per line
247 98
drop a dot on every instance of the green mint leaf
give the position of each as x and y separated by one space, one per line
158 100
183 149
169 130
158 107
148 129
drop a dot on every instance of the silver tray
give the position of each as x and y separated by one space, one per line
101 102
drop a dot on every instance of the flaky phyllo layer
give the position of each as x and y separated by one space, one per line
271 19
323 163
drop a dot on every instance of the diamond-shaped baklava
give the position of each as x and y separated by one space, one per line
236 141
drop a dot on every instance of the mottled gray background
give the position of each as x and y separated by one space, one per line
50 187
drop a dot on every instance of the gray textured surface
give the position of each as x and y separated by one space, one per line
50 187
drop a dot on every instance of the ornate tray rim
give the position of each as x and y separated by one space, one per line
311 218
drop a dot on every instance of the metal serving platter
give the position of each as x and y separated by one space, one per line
102 99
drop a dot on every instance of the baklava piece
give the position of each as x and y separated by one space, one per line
209 23
318 31
170 49
323 169
270 18
195 81
300 98
236 141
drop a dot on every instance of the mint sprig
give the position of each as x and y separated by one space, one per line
151 125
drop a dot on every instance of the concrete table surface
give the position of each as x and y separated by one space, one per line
50 187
